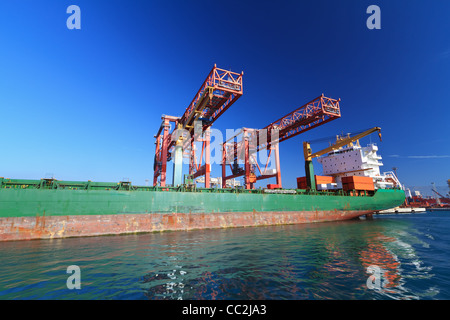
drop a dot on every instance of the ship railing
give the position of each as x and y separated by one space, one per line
126 186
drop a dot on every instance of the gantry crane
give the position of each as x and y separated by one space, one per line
217 93
341 141
315 113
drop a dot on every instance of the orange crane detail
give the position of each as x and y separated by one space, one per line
216 94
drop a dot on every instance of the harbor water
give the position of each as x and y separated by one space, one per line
397 256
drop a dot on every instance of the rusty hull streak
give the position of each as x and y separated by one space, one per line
49 227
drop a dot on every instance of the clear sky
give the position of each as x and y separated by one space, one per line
85 104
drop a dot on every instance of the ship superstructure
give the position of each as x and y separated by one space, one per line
354 160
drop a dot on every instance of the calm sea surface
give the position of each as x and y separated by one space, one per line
408 255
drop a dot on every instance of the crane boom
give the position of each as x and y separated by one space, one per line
339 144
438 193
217 93
438 201
313 114
309 169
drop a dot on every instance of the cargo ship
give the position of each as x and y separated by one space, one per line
49 208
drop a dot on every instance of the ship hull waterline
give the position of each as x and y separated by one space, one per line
42 227
27 214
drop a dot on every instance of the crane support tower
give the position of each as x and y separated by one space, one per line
216 94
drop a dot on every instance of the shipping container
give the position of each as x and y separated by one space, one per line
301 181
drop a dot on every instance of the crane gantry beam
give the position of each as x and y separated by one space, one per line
217 93
312 114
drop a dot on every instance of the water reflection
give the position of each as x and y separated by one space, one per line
323 261
316 261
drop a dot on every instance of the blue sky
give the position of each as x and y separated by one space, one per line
85 104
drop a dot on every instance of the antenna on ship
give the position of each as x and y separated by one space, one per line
395 171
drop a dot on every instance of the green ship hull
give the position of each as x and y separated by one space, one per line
42 209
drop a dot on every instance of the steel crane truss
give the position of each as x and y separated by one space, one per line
217 93
315 113
196 166
249 152
162 153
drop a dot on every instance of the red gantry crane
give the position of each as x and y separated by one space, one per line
217 93
315 113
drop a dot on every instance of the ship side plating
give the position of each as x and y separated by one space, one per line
33 209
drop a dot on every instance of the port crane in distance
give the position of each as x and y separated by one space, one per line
438 201
307 151
435 191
